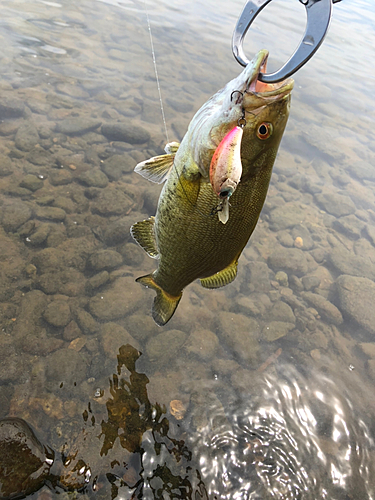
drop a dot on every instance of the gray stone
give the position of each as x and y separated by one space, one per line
288 215
348 263
105 259
325 308
40 235
94 178
51 213
290 260
362 170
275 330
240 334
164 347
14 215
310 282
118 165
282 312
141 326
11 108
57 313
357 299
179 105
27 137
125 132
65 368
368 348
349 225
285 239
119 231
202 343
115 336
282 278
31 182
6 166
335 204
133 255
99 280
77 126
112 202
60 177
86 322
123 298
259 276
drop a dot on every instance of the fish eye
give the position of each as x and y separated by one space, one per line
264 130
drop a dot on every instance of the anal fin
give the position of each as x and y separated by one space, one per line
164 305
143 233
221 278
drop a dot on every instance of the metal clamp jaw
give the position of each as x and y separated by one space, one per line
319 14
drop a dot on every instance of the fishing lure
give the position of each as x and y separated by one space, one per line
226 169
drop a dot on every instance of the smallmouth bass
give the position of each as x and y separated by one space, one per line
188 234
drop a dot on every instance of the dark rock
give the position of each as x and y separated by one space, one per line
119 231
86 322
164 347
105 259
179 105
348 263
11 108
335 204
275 330
288 215
112 202
40 235
57 313
31 182
285 239
60 177
27 137
310 282
77 126
357 299
259 276
124 297
99 280
118 165
141 327
282 312
325 308
14 215
349 225
40 157
290 260
133 255
24 461
362 170
125 132
202 343
6 166
51 213
240 334
66 367
94 178
114 336
71 331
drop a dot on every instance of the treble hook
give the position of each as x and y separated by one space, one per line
319 14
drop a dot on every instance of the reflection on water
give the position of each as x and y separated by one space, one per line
259 390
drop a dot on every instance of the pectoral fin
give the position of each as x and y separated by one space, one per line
143 233
221 278
157 169
164 305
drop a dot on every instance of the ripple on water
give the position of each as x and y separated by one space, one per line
292 437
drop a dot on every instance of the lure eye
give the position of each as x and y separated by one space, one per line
264 130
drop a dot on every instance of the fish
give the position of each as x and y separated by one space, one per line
186 234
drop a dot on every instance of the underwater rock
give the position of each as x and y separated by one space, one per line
125 132
275 330
335 204
203 343
31 182
349 225
141 327
111 304
57 313
11 108
240 334
348 263
112 202
86 322
115 336
99 280
77 126
6 167
118 231
133 255
259 276
324 307
163 348
40 235
24 461
118 165
59 177
94 178
51 213
282 312
286 216
14 215
290 260
357 299
105 259
27 137
66 367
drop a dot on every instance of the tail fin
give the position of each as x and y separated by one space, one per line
164 305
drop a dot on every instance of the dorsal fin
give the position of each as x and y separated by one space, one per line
157 169
143 233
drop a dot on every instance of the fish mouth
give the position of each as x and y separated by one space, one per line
269 91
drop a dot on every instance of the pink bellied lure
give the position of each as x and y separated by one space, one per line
226 170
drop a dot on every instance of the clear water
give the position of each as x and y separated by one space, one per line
221 404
